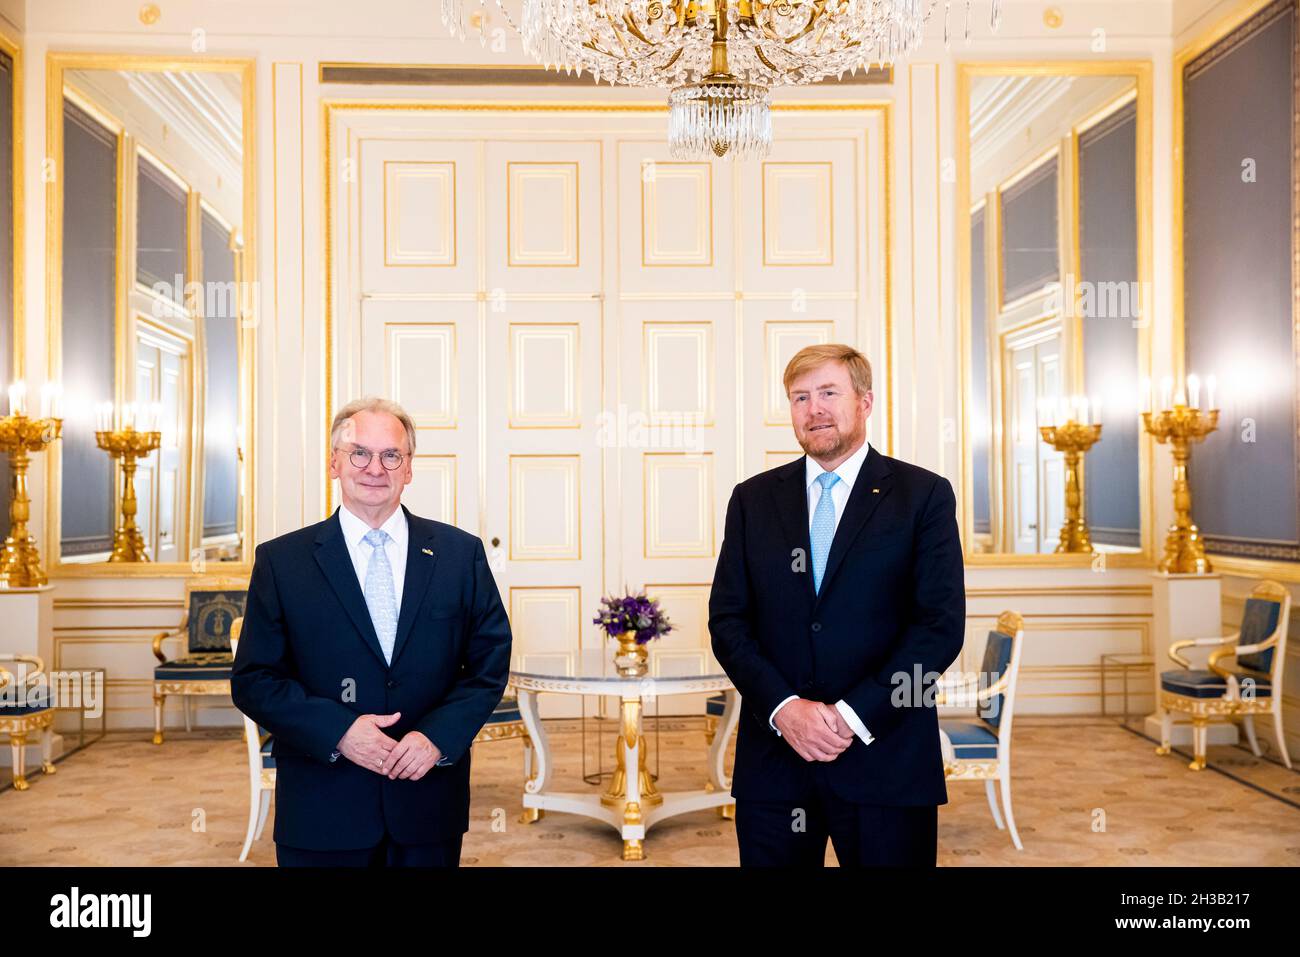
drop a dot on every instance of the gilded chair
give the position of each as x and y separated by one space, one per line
506 722
26 709
715 706
261 765
979 748
211 607
1254 688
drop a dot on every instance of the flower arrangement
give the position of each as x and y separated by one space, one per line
634 620
633 613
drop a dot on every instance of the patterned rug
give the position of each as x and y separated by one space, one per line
1084 793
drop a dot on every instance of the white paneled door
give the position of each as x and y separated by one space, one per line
590 337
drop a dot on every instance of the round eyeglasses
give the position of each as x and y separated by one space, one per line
389 458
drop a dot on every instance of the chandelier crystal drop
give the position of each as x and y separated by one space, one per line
719 58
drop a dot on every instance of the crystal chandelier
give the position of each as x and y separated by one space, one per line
719 58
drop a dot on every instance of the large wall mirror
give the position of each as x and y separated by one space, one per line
1054 205
151 310
11 258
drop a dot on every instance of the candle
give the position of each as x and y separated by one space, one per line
17 398
1194 390
1083 410
1166 390
1210 383
1144 394
155 416
49 397
104 417
1096 410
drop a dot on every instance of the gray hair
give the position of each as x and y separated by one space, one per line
372 403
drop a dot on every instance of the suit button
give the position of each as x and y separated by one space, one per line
816 626
391 684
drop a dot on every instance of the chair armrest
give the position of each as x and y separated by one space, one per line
1258 646
954 693
1235 652
1199 643
998 687
36 660
162 636
1217 656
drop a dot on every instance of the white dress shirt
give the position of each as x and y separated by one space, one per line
354 533
840 491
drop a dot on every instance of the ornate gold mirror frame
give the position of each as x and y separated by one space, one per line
57 66
1140 71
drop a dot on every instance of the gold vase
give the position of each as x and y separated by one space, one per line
631 658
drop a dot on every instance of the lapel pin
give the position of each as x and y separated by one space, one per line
427 551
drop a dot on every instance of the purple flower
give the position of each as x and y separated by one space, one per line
636 613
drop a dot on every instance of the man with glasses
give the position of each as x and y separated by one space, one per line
374 648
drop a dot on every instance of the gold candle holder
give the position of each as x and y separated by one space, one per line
1181 427
20 436
126 445
1073 439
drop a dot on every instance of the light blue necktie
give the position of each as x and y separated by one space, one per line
381 595
823 528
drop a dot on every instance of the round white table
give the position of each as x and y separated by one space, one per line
631 804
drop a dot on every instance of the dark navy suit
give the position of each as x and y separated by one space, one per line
309 663
891 604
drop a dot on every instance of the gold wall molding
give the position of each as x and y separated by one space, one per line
19 283
569 467
444 172
770 176
70 604
518 335
650 224
515 74
1071 591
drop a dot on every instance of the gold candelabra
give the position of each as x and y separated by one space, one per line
1073 439
20 436
127 446
1182 426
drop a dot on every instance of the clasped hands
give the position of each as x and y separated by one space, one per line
366 745
816 730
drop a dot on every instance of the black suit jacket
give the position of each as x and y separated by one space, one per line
892 603
309 663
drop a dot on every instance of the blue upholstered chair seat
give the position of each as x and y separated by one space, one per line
197 668
1206 684
716 704
506 712
34 701
971 740
267 740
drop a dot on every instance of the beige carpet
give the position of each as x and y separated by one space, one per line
1085 793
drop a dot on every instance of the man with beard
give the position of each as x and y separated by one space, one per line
838 599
